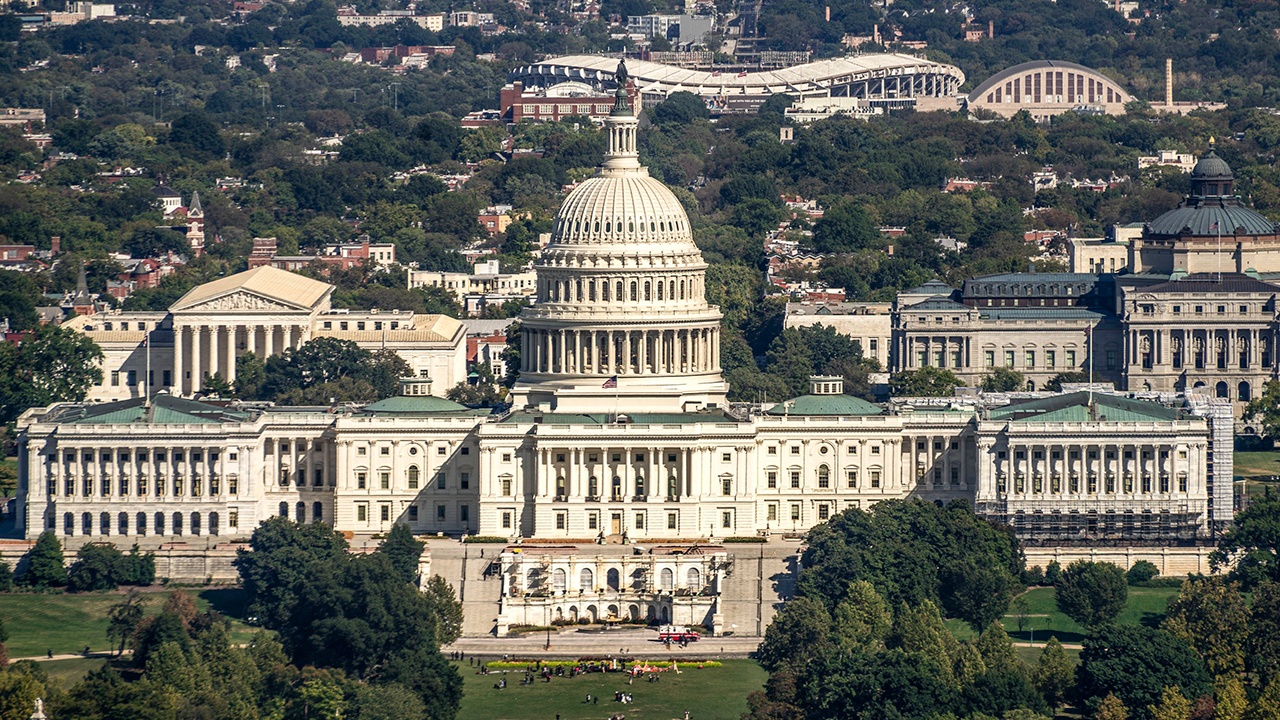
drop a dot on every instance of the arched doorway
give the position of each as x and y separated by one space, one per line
1220 390
611 578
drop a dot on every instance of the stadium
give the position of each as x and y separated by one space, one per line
889 80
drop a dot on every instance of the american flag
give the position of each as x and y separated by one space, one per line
611 382
1213 227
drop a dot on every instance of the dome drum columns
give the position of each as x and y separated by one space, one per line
608 352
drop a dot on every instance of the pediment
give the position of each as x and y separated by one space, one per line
241 301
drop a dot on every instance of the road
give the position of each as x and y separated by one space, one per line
631 642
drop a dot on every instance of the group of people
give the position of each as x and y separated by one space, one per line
622 697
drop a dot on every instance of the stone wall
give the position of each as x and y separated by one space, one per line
1174 561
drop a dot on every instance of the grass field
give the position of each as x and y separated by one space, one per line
69 672
8 476
1146 607
708 694
65 623
1257 464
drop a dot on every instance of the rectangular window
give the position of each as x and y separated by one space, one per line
464 513
1029 358
362 480
593 521
384 451
464 480
440 481
851 478
1111 359
772 512
384 479
385 511
772 476
413 513
639 521
233 518
672 521
506 520
561 521
131 379
824 480
989 358
1050 359
795 478
440 513
115 378
506 486
875 478
726 486
1071 358
795 511
824 511
726 519
362 513
1008 358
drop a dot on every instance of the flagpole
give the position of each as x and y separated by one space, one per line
1089 356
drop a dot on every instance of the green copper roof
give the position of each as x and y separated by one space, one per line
553 418
163 410
1074 407
415 405
825 405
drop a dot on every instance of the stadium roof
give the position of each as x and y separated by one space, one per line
814 77
1008 72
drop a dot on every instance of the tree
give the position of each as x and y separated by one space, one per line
845 227
1053 673
925 382
45 567
404 551
124 618
282 554
862 618
97 567
1137 663
1004 380
1111 708
1266 407
920 630
680 108
447 609
800 632
1141 572
1211 615
997 649
6 578
1092 593
889 684
1253 544
1230 700
1263 649
1055 383
977 592
1172 706
52 364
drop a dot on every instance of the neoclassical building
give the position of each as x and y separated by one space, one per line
620 433
264 311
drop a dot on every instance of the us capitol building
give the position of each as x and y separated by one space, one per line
620 432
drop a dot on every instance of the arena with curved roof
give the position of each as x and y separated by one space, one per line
887 80
1046 88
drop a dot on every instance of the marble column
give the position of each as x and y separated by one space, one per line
197 367
230 374
178 387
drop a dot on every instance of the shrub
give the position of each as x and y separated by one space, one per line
1033 575
1142 572
744 539
488 539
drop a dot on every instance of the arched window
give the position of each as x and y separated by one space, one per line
560 487
673 487
660 288
593 486
558 580
578 290
195 523
414 475
633 291
213 523
824 476
1221 390
586 580
68 524
666 579
104 523
618 295
159 523
122 523
317 512
640 487
591 291
141 526
1242 392
284 510
604 291
300 512
681 289
648 287
612 579
177 523
694 579
616 489
86 524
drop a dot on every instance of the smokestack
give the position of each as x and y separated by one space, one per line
875 33
1168 82
991 29
828 13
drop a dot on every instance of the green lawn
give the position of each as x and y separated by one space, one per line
1255 464
8 476
708 694
1146 607
66 623
69 672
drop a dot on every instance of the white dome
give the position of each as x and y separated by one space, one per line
632 209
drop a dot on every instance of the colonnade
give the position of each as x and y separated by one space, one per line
1106 468
620 352
212 349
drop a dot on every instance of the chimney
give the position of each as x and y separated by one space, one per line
1168 82
55 245
828 13
875 33
991 28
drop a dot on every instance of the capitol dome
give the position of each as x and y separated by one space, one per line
621 322
1212 209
